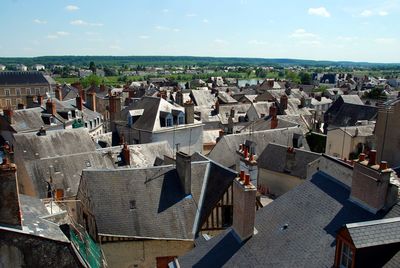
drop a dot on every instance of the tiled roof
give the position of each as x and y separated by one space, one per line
375 233
313 212
21 78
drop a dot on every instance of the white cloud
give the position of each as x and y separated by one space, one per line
176 30
52 36
161 28
84 23
61 33
144 37
39 21
319 11
366 13
385 41
165 10
313 43
383 13
301 34
191 15
71 8
205 21
257 42
115 47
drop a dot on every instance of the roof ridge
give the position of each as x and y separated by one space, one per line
373 222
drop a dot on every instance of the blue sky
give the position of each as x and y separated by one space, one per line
362 30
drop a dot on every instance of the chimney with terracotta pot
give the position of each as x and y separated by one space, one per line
50 107
40 100
273 110
10 213
126 155
284 102
9 115
91 101
58 93
274 122
371 187
244 208
79 102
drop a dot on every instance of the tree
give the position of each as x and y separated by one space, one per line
91 80
92 67
305 78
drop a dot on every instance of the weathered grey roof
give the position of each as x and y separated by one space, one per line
22 78
276 157
224 151
226 98
265 124
360 131
33 211
29 119
71 105
312 212
375 233
203 97
352 99
54 143
141 155
161 209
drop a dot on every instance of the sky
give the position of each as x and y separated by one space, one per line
362 30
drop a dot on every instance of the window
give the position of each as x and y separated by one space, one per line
38 91
168 122
346 257
18 91
227 212
7 92
132 204
181 120
8 103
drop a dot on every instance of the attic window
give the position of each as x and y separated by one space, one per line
132 204
87 163
346 257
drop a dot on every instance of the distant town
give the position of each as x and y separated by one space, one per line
198 162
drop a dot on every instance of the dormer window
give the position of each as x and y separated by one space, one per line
53 121
346 256
179 117
168 122
166 119
134 115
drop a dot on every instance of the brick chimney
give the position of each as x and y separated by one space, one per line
91 101
79 102
284 102
126 155
189 112
244 208
29 101
50 107
10 214
274 122
40 100
184 169
371 187
58 93
9 115
273 111
217 106
114 107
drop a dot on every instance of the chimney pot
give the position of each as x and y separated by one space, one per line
247 179
383 165
126 155
50 107
241 175
246 152
372 158
361 157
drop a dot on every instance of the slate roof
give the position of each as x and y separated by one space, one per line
22 78
161 209
265 124
203 97
274 158
347 110
32 119
33 211
224 151
375 233
313 212
226 98
360 131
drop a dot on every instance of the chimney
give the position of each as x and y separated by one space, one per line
284 102
126 155
79 102
40 100
29 101
371 187
8 115
244 209
179 98
58 93
10 213
189 112
184 169
50 107
91 101
372 158
274 122
232 115
273 110
303 102
217 106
